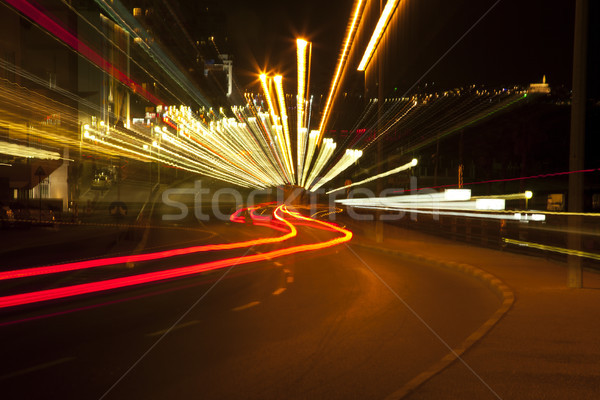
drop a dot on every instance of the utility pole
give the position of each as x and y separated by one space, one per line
128 91
436 161
460 160
576 157
380 100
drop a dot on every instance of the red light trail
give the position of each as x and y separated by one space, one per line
92 287
72 41
102 262
504 180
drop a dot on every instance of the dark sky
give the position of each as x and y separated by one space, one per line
517 42
264 33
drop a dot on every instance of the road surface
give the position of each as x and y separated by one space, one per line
337 323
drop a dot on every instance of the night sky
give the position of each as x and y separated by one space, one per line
264 33
516 43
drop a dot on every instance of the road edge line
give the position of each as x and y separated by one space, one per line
504 293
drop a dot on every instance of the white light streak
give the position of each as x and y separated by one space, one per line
457 194
516 216
349 157
490 204
401 168
312 143
327 148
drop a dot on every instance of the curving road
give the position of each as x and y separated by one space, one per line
339 322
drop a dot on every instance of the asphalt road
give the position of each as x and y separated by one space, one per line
338 323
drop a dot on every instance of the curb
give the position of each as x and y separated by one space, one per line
504 293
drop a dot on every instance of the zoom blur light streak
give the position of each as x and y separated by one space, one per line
247 150
262 136
312 143
258 140
72 41
401 168
264 81
17 150
553 174
514 216
388 10
554 249
454 202
284 122
349 157
237 147
102 262
324 155
170 150
278 130
93 287
301 45
14 99
340 66
122 15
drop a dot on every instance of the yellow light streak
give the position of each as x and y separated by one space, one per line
554 249
278 133
300 150
388 10
301 45
393 122
17 150
284 121
272 141
513 196
301 60
340 65
264 80
251 150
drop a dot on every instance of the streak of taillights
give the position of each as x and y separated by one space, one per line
92 287
102 262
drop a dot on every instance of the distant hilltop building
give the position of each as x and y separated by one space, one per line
539 87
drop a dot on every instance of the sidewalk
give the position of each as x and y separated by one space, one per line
93 234
546 346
